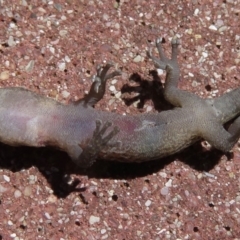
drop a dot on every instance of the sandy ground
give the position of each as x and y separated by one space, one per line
53 48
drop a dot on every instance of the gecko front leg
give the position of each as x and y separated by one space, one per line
98 141
98 86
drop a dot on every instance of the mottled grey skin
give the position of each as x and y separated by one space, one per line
86 133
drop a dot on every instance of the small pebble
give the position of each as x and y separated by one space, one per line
30 66
222 29
196 11
148 203
160 71
163 174
2 189
65 94
63 33
52 50
11 41
125 216
190 74
149 108
105 16
94 219
164 191
67 59
47 215
117 26
62 66
212 27
13 235
27 191
6 178
4 75
138 58
10 223
168 183
205 54
17 194
112 88
118 95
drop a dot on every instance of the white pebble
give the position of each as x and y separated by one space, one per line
164 191
11 41
12 25
196 11
114 81
213 27
47 215
148 203
190 74
65 94
204 54
2 189
52 50
94 219
105 16
67 59
118 95
149 108
10 223
17 194
117 26
112 88
160 71
168 183
62 66
6 178
138 58
163 174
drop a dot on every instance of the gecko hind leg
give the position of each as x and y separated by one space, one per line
98 141
172 93
98 86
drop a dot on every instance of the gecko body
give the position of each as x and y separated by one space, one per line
87 134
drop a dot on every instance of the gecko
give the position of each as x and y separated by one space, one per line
87 134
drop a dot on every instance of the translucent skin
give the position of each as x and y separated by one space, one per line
86 133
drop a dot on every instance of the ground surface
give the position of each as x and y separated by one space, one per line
53 47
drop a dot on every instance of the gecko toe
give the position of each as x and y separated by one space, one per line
149 52
159 40
175 40
110 64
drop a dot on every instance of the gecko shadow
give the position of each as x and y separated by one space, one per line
53 164
146 90
56 166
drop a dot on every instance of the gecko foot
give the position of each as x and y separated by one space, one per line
163 61
98 86
102 72
175 41
98 141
